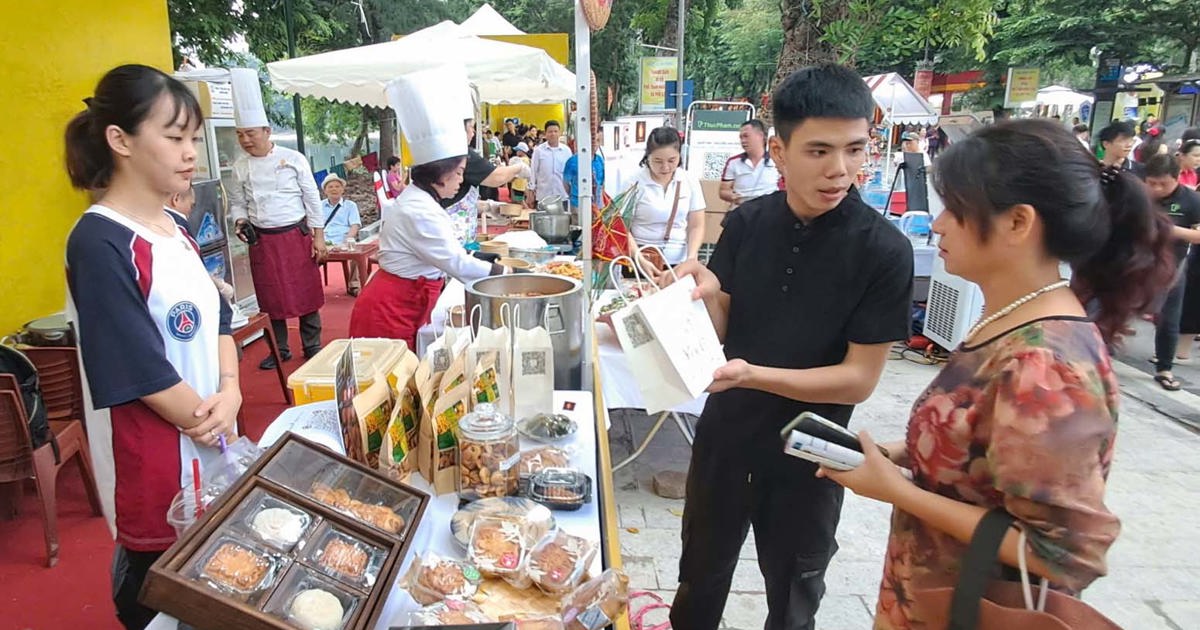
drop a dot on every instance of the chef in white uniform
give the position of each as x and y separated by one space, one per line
418 244
275 194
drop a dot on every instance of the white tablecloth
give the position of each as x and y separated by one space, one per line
433 534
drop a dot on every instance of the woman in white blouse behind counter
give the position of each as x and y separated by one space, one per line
670 208
418 246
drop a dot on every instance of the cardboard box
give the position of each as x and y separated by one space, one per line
712 226
712 196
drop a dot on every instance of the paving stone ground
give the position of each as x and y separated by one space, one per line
1154 568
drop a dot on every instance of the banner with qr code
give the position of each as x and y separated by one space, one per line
713 138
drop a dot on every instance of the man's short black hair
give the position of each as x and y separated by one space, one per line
1162 165
824 91
1116 129
757 124
1080 128
551 123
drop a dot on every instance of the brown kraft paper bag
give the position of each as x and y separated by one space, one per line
438 436
400 439
485 382
373 408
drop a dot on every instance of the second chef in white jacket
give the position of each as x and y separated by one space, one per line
418 246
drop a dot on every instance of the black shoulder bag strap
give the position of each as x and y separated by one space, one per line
332 215
976 569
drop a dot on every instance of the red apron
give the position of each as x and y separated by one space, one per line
287 281
394 307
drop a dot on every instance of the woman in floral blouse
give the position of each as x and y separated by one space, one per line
1024 415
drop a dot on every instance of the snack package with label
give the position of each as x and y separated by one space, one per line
373 408
497 548
447 613
485 378
396 457
558 562
445 395
438 437
432 579
598 602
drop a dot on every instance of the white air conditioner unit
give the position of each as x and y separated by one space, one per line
954 306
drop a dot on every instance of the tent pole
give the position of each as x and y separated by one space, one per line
583 147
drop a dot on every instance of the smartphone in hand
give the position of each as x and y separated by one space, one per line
816 426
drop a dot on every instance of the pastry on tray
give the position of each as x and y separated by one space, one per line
497 546
237 567
432 579
380 516
344 557
279 525
557 563
317 609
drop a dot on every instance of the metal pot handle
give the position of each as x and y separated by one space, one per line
546 319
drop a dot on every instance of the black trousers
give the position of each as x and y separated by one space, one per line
129 570
310 333
794 516
1166 329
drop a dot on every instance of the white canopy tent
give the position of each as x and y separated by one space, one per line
500 71
900 102
487 21
1057 95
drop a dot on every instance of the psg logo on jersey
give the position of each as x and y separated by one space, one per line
183 320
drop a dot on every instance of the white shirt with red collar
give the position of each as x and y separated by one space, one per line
751 180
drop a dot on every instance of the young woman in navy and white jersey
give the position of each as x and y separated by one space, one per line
160 365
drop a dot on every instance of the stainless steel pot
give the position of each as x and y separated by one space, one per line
552 221
555 227
53 331
559 308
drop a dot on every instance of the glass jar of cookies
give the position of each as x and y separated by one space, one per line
488 454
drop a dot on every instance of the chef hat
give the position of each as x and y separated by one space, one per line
248 110
429 108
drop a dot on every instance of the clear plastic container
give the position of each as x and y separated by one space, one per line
497 547
311 601
273 521
488 453
557 564
382 505
432 578
561 488
343 556
314 381
598 602
236 568
536 460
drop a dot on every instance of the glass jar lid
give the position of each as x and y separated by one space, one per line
486 423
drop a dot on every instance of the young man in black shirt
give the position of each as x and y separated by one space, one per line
808 288
480 172
1182 206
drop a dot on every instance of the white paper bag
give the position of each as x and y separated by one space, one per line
670 343
497 340
685 332
532 371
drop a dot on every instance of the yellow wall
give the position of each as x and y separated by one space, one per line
54 53
558 46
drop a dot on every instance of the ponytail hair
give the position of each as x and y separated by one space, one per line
125 97
1100 221
659 138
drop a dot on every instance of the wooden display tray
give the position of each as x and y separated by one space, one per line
167 589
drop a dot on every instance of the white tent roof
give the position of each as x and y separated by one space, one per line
899 101
501 72
1060 96
487 21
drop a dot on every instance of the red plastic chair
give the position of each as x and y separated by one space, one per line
20 461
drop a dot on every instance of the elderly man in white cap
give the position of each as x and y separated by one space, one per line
342 221
277 209
418 246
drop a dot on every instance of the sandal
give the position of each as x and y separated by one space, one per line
636 619
1168 382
